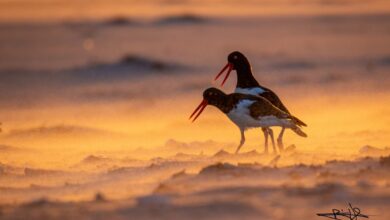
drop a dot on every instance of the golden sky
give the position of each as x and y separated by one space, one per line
54 10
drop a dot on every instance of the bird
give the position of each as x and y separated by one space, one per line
247 111
247 84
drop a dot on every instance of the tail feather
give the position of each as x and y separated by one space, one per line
299 132
297 121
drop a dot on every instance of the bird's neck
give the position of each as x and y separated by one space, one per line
245 78
227 103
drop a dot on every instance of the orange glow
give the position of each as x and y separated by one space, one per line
335 123
42 10
99 100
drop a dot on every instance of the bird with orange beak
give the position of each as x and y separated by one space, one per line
247 111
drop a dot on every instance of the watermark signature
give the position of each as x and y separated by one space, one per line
352 213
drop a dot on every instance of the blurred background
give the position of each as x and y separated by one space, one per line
120 78
95 97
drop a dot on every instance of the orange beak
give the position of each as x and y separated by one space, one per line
229 67
199 109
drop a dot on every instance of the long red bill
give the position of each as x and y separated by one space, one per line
199 109
228 66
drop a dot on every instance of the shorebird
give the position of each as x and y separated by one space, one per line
248 111
247 84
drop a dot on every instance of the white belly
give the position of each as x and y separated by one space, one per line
242 118
250 91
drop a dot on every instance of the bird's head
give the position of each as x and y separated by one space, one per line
236 61
211 96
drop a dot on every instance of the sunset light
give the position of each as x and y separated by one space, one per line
96 98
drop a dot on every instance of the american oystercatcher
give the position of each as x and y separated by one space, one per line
248 111
247 84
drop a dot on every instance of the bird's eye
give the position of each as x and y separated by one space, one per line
235 57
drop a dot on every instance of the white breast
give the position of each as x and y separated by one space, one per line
240 116
250 91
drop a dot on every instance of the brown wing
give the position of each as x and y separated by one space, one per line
263 107
274 99
260 108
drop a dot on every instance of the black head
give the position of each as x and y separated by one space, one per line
238 60
213 95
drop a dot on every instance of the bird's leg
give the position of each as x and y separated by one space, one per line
242 141
265 131
271 134
280 140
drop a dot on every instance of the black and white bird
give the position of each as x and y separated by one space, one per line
248 111
247 84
